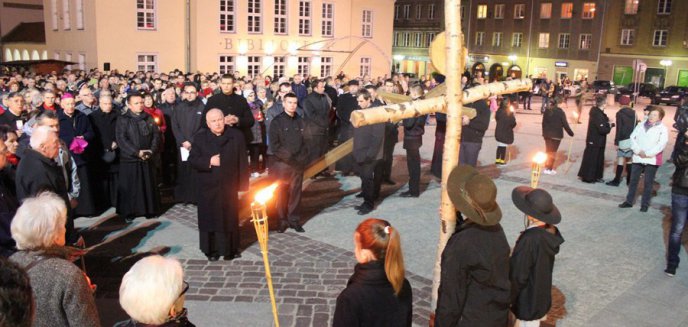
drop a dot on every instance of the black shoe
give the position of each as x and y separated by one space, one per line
408 194
587 181
364 210
232 257
613 183
670 271
359 195
358 207
599 180
389 182
625 205
299 229
213 257
643 208
283 227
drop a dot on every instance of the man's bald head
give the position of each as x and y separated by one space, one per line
215 120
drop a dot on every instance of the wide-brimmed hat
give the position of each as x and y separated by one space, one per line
537 203
474 195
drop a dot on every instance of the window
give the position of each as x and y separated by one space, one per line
482 11
588 10
278 68
65 15
479 38
499 11
226 65
253 68
145 14
367 24
280 17
627 36
585 41
80 14
325 67
664 7
429 37
406 39
660 38
567 10
304 17
631 7
254 16
82 61
67 57
53 13
431 11
56 55
516 40
419 11
543 40
407 11
497 39
564 40
396 12
227 15
519 11
418 40
365 66
328 19
395 41
304 67
146 62
546 10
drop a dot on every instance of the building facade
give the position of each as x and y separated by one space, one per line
268 37
416 23
12 14
655 32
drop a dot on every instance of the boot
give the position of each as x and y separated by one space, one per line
629 168
617 177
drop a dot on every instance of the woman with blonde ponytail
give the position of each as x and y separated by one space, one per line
377 294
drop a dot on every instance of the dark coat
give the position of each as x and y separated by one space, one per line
286 140
301 92
506 121
679 183
316 108
135 133
10 119
36 174
187 120
8 207
625 123
414 128
474 286
104 125
346 104
232 104
369 300
554 123
218 208
531 265
368 142
438 150
598 128
179 322
332 93
475 130
77 125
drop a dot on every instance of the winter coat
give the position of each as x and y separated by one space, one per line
625 122
679 183
598 128
104 125
270 114
414 128
316 108
346 104
71 127
506 121
287 141
368 141
301 92
36 174
475 130
187 120
554 123
135 133
531 265
651 140
8 207
232 104
369 300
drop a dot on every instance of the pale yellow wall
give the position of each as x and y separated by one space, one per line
10 17
74 41
30 48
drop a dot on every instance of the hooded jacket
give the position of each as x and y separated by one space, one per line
506 121
625 122
532 262
553 121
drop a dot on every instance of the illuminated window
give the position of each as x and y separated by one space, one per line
631 7
482 11
588 10
546 10
543 40
567 10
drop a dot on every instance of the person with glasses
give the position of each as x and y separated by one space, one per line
153 293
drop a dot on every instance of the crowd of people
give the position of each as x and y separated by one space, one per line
78 143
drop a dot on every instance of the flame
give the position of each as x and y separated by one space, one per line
540 158
511 108
265 194
575 115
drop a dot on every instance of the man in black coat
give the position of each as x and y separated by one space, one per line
170 151
8 204
367 152
414 128
592 165
14 116
391 133
291 157
186 122
234 106
346 104
316 109
222 173
472 133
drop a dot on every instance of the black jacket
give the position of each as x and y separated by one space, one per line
679 183
414 128
598 128
506 121
475 130
531 265
554 122
474 286
625 123
10 119
71 127
104 125
286 140
346 104
369 300
8 207
135 133
368 142
316 109
232 104
36 174
187 120
332 93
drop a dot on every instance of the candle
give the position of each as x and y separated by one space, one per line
260 223
538 160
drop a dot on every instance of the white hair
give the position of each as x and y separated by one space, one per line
150 288
39 136
40 222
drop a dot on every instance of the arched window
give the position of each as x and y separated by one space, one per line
25 55
34 55
44 55
17 55
8 55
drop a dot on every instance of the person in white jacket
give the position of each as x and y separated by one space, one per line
648 140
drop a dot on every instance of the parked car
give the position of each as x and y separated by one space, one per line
645 90
602 86
671 95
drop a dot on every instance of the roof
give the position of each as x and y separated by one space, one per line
26 33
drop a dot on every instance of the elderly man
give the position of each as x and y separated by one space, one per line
87 103
14 116
222 172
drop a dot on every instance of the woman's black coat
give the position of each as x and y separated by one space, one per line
625 123
598 128
506 121
554 122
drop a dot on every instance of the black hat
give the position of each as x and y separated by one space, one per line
537 203
474 195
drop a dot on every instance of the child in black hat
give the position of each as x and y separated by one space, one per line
532 260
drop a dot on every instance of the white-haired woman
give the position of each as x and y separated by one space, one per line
63 294
152 293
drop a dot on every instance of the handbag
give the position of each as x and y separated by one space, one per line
109 156
625 144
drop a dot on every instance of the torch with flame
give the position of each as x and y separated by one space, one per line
260 223
538 160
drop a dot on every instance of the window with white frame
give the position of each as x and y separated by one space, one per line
366 66
367 23
66 22
431 11
303 67
406 39
82 61
543 40
146 62
145 14
516 40
253 67
255 11
497 39
627 36
226 65
479 38
325 67
429 37
53 14
519 11
396 12
418 39
585 42
79 14
304 17
327 19
227 16
660 38
588 10
567 10
482 12
631 7
280 17
419 12
279 67
395 41
564 40
499 11
546 10
664 7
407 11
